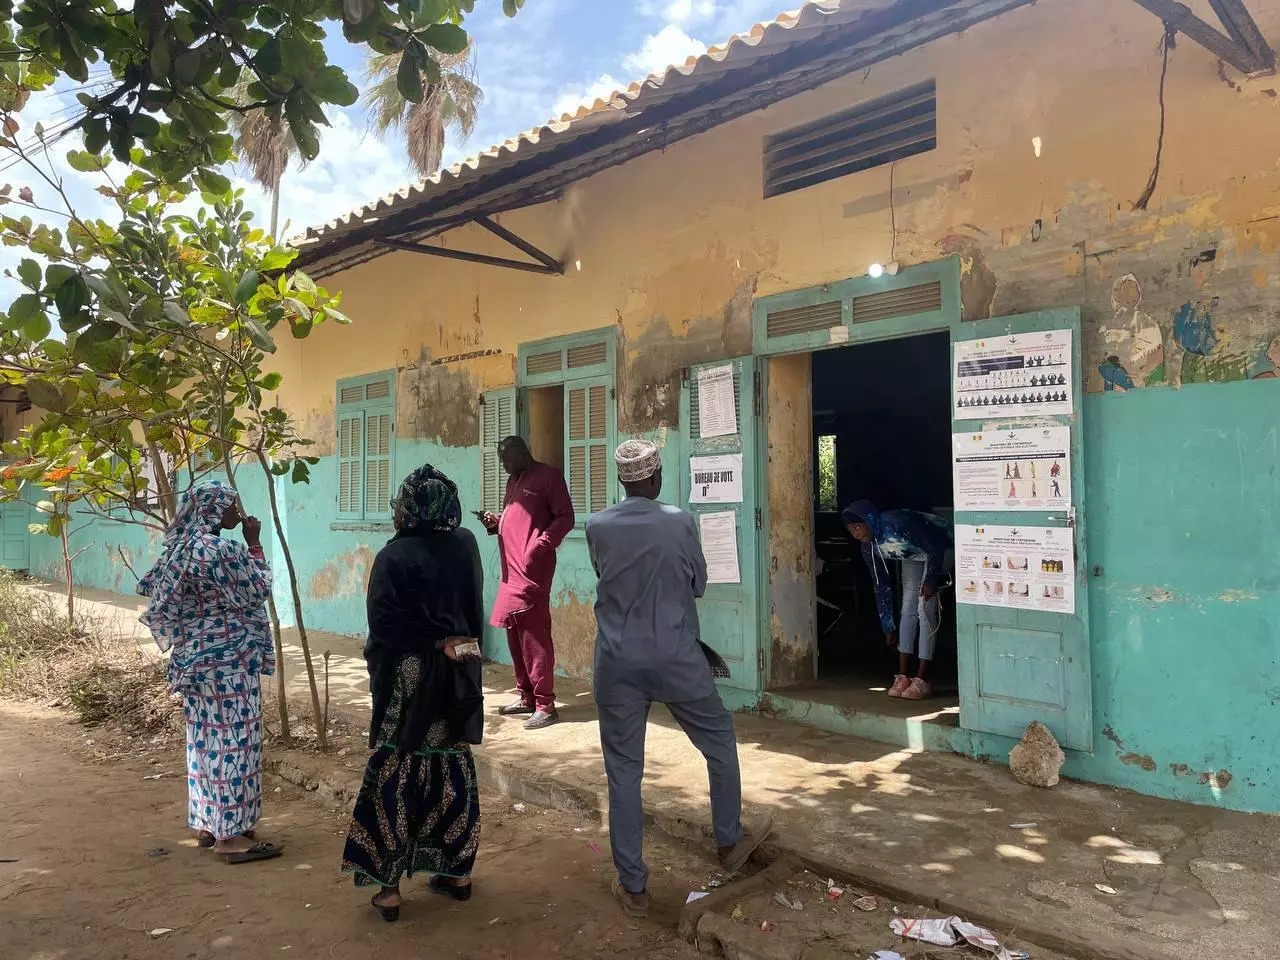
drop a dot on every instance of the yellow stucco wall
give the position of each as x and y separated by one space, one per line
671 247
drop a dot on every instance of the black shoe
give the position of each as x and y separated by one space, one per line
445 889
542 718
517 709
389 914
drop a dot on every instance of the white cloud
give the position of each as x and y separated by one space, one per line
739 16
570 100
682 12
668 47
353 168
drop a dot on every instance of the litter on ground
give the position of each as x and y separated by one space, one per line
951 931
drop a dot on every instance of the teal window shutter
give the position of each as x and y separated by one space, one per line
588 444
366 448
497 420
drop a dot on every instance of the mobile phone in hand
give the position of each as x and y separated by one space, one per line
478 514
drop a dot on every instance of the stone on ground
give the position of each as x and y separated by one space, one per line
1037 758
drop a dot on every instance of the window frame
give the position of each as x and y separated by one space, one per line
602 373
363 410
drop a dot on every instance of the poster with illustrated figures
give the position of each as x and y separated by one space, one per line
1029 568
1024 469
1019 375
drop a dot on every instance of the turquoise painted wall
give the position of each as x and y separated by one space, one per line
1183 503
99 565
1182 493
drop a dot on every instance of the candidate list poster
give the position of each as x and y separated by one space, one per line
1028 568
1019 375
1026 469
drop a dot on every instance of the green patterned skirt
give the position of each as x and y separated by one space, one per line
417 812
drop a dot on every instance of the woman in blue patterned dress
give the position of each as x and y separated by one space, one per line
207 609
419 809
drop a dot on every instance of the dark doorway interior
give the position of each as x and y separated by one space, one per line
882 431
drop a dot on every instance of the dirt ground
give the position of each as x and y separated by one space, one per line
104 867
91 881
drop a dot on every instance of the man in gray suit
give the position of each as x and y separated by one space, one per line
648 558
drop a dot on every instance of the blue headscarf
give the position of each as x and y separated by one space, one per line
863 511
190 544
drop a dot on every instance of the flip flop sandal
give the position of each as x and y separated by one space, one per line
206 839
259 851
389 914
453 891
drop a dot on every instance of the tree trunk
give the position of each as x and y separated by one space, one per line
322 735
66 571
164 489
275 207
280 684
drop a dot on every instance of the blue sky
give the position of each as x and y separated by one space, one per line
552 56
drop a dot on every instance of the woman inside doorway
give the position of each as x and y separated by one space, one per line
922 542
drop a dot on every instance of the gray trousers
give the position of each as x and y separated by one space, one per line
709 727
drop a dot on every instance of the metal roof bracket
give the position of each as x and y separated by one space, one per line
1245 48
546 264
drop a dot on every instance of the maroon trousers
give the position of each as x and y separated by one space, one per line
533 655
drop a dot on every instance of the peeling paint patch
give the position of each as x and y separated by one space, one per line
656 357
1142 760
1111 735
1181 770
1237 596
439 402
977 280
344 576
573 631
1219 781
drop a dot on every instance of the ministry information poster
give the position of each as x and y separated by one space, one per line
1026 469
1020 375
1029 568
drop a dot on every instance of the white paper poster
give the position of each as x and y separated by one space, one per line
719 532
716 414
1025 469
1019 375
716 479
1030 568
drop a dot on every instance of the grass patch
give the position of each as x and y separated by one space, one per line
46 657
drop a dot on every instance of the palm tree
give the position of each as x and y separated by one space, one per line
452 104
265 147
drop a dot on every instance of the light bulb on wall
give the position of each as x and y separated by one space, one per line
875 271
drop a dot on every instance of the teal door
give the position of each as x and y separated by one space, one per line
727 613
1019 659
15 538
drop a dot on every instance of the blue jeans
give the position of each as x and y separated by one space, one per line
920 618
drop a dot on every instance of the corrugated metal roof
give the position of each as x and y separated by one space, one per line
742 48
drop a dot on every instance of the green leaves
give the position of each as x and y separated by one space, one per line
45 395
247 287
24 309
448 38
409 77
71 296
512 7
29 273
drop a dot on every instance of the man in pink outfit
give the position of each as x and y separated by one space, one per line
537 513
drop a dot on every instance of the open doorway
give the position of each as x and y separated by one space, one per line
881 432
